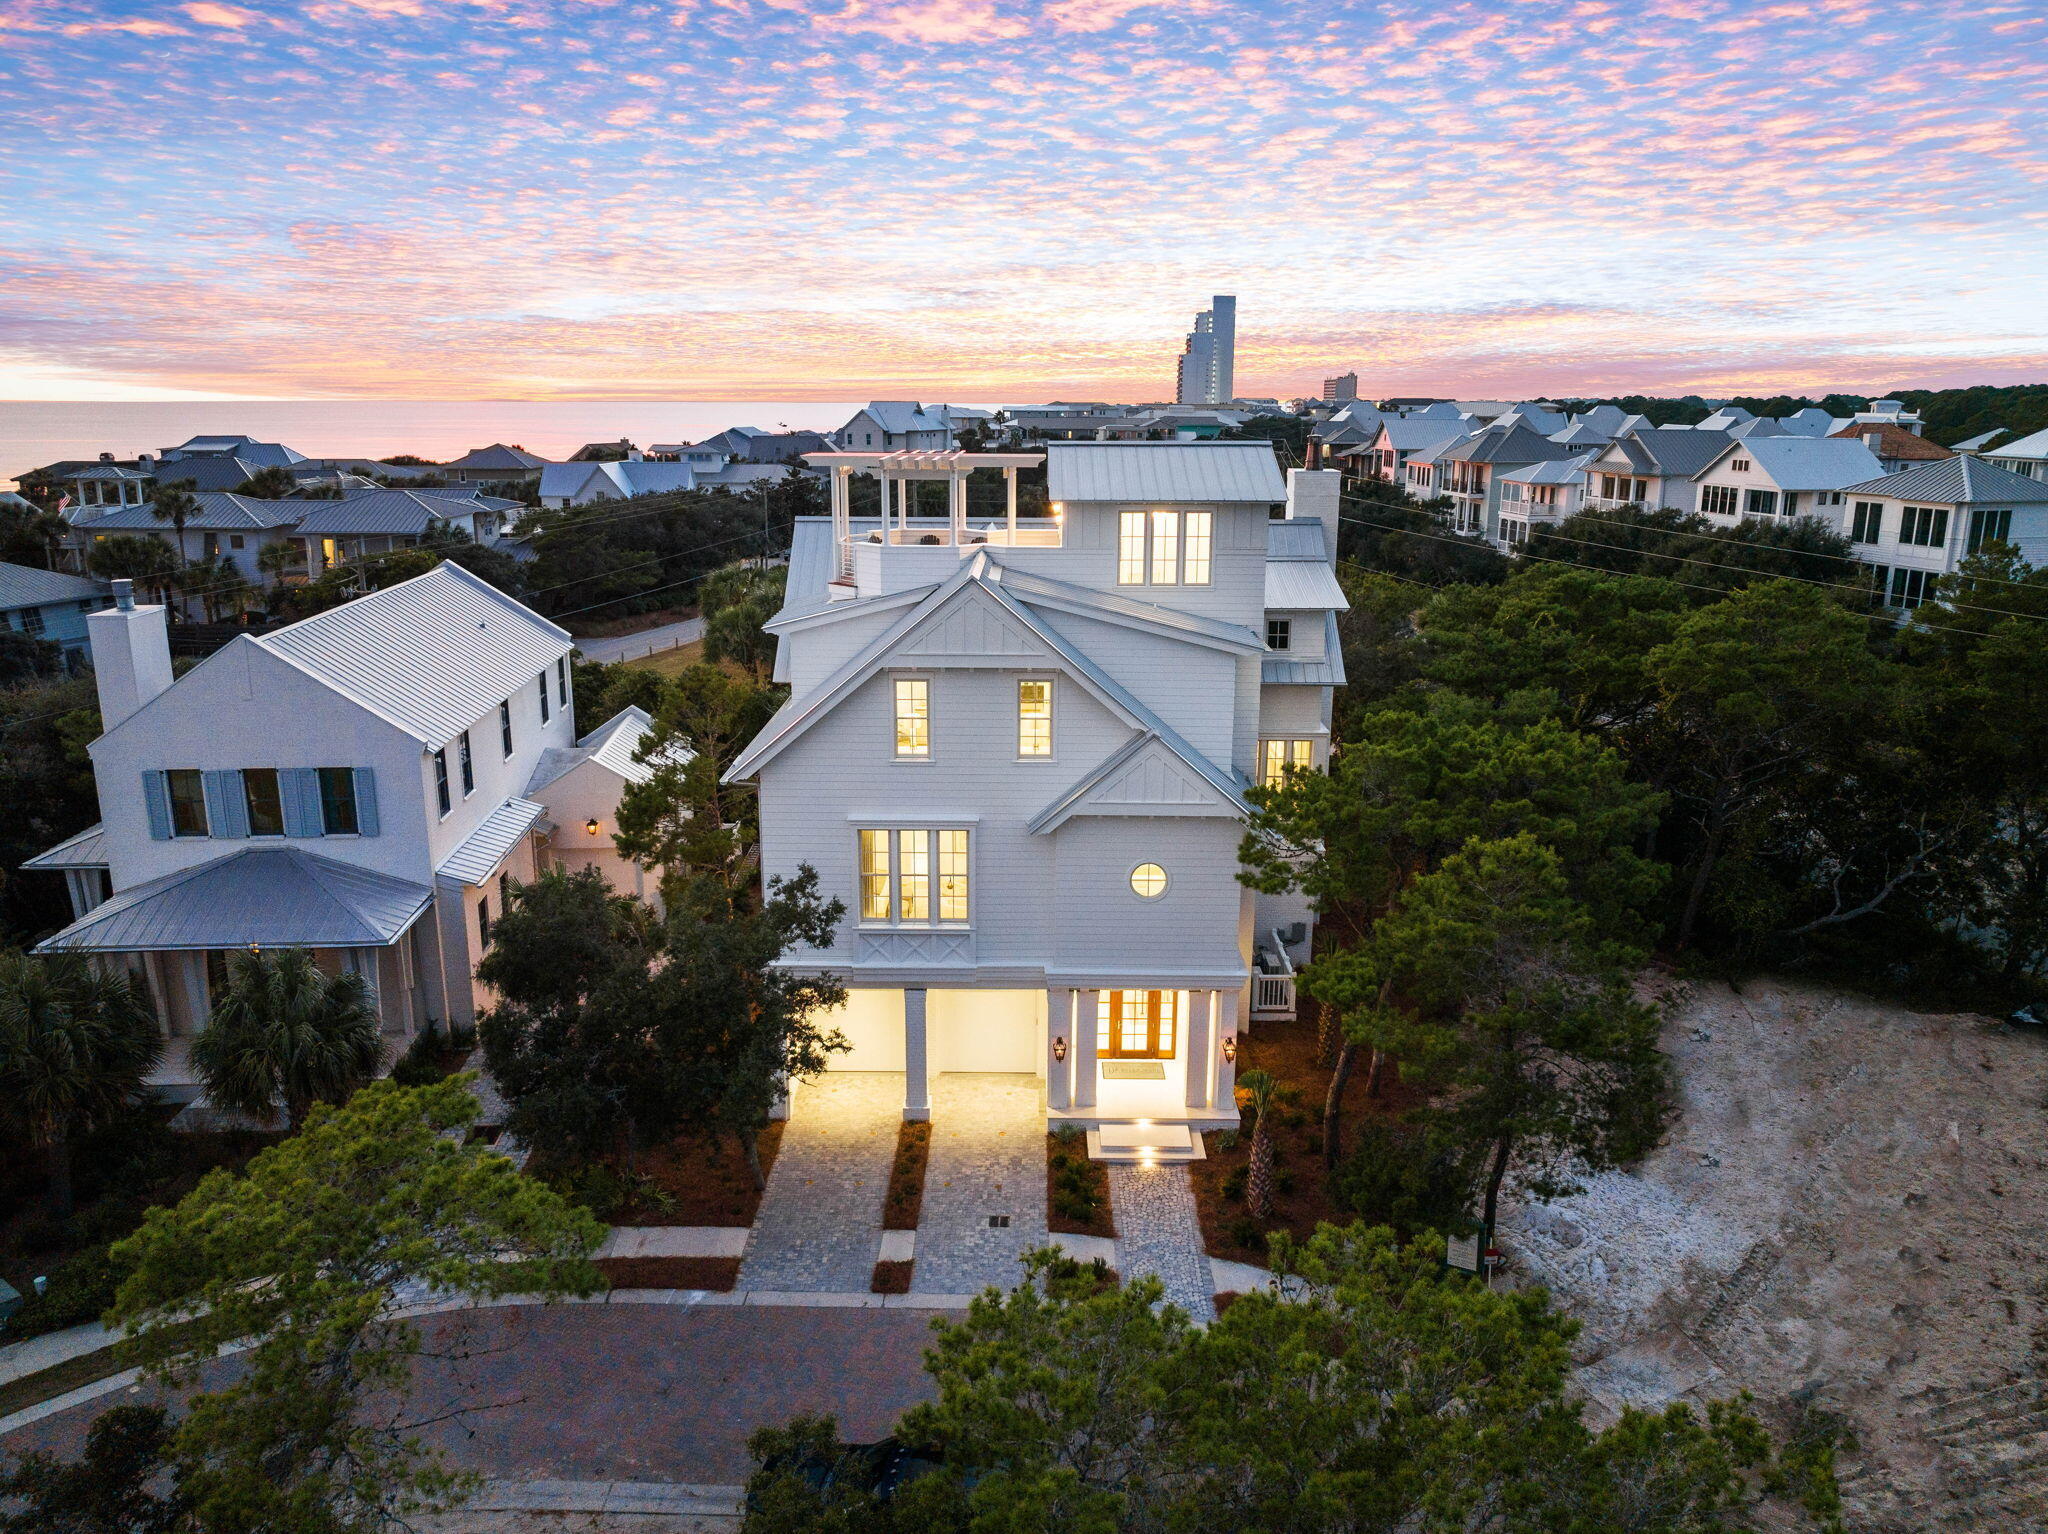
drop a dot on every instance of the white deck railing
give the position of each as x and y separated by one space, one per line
1273 984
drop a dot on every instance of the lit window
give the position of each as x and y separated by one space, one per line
1195 553
265 804
1148 881
913 875
1034 718
1279 633
188 801
913 717
1278 757
1165 548
1137 1024
1130 549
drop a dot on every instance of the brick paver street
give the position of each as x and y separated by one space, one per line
820 1224
987 1159
629 1392
1157 1232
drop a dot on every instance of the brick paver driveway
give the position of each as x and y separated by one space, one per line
988 1159
633 1392
820 1225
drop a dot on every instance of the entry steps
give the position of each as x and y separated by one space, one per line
1145 1144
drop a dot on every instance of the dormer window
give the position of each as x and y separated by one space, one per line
1164 548
1279 633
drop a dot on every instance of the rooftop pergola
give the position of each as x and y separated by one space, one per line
952 465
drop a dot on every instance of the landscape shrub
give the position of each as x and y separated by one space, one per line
1407 1180
80 1290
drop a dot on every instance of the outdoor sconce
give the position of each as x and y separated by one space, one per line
1230 1049
590 825
1059 1048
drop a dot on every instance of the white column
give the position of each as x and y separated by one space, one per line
1087 1007
1059 1036
1199 1049
1226 1033
956 498
917 1094
1010 490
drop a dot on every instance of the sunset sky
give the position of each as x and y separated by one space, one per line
1002 200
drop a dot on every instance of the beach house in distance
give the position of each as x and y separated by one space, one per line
364 784
1019 749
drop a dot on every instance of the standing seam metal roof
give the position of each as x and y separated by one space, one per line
1957 481
26 586
1164 471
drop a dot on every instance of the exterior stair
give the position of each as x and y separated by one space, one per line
1145 1144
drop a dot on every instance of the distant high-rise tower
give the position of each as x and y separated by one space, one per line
1343 386
1208 363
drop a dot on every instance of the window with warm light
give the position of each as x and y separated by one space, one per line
1278 757
1164 548
1148 881
1130 549
1142 1025
913 718
916 876
1034 716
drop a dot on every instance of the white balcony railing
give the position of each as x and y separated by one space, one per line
1273 984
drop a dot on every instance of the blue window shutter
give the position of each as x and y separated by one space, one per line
299 788
227 813
366 802
156 795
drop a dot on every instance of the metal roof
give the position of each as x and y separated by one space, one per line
1297 585
1408 433
218 512
1958 481
612 745
1281 671
1556 471
1516 443
87 849
1164 471
274 897
1113 606
1806 463
1981 440
1666 450
2035 446
496 456
480 852
396 513
1296 538
432 654
26 586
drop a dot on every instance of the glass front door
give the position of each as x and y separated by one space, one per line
1137 1025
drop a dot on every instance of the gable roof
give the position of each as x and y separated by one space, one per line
219 511
26 586
396 513
1164 471
1556 471
2035 446
1804 463
1408 433
274 897
1957 481
1671 451
431 655
1514 443
613 745
1146 776
901 416
496 456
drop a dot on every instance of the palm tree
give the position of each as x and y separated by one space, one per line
1258 1185
176 504
282 1031
77 1044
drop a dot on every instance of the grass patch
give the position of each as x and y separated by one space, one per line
892 1277
631 623
1076 1189
714 1273
48 1384
670 662
904 1201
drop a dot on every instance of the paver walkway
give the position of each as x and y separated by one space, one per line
987 1158
820 1224
1157 1232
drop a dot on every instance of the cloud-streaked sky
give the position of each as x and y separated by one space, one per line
1016 199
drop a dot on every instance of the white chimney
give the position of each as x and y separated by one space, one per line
1872 438
1312 496
131 654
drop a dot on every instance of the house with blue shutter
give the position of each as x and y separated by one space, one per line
366 784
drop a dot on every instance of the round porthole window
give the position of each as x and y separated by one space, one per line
1148 881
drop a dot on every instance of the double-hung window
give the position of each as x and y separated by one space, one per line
441 781
915 876
1164 548
562 681
1990 524
1866 522
505 725
187 789
913 719
1717 500
1034 717
468 764
338 813
1279 757
1926 526
543 697
264 803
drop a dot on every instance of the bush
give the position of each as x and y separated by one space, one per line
126 1158
81 1289
1408 1180
1073 1191
1246 1232
1234 1181
420 1065
596 1187
108 1487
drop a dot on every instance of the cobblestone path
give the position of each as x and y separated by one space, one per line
988 1158
1157 1232
821 1219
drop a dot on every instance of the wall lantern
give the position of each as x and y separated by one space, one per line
1059 1048
590 825
1230 1049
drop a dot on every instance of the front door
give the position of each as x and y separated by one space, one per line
1138 1025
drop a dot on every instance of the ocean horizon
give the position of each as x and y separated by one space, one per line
33 433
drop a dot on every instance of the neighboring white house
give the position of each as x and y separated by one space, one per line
1018 751
896 425
1651 467
1783 477
2027 455
1541 493
236 528
579 484
364 784
1919 524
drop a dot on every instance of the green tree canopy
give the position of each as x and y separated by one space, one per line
284 1033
